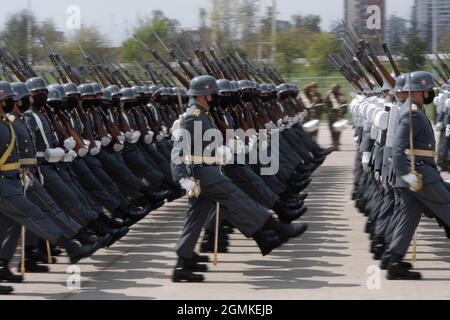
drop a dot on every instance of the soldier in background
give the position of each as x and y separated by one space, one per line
313 102
335 104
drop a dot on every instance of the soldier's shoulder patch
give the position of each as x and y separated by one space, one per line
197 113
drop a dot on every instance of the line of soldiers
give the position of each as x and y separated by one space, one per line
334 104
80 165
396 175
245 197
70 183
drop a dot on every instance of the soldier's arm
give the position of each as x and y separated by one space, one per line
181 148
399 158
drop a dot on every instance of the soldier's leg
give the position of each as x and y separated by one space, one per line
116 168
196 216
93 187
39 196
244 178
106 181
436 197
10 232
21 210
65 197
409 215
141 168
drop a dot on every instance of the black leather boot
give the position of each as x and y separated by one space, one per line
6 290
288 215
185 273
7 275
396 270
31 264
77 252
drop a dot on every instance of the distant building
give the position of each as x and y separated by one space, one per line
429 15
283 25
357 13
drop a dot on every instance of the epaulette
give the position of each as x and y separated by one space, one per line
197 113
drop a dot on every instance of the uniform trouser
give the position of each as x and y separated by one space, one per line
104 178
14 207
159 160
274 183
434 198
395 216
336 136
39 197
386 212
443 147
141 168
93 186
69 177
249 182
298 145
165 147
307 140
65 197
116 168
9 236
245 214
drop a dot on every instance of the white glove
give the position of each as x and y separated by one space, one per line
54 155
286 119
447 131
83 152
135 138
148 139
439 126
70 156
410 179
188 184
280 123
122 138
365 161
159 137
129 135
106 140
94 151
70 143
224 155
356 141
87 143
118 147
98 144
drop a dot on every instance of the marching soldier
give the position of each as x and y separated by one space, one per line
334 105
200 176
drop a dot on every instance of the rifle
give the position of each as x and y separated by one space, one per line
54 59
176 58
22 62
437 70
189 60
65 119
7 61
93 67
200 55
5 74
155 54
389 55
128 74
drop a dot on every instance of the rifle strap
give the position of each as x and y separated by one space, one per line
12 143
40 126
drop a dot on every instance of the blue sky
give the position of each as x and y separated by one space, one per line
116 18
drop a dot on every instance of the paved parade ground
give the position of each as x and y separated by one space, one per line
331 261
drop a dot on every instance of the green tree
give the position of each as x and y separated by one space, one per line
413 53
322 45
